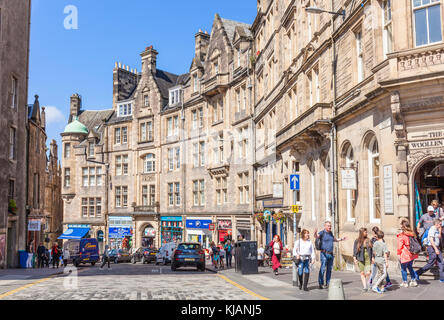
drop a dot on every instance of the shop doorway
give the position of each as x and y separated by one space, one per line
428 186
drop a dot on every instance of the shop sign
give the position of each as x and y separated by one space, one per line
224 224
273 203
198 224
212 226
34 225
119 233
149 232
348 179
85 226
177 218
426 139
388 189
100 236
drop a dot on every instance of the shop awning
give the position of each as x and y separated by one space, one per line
74 233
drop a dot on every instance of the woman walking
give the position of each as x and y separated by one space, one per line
215 254
276 246
304 252
363 256
405 256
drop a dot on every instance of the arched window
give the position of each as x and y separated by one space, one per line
373 181
149 164
351 194
327 188
313 191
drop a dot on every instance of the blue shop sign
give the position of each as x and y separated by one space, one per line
198 224
179 218
119 233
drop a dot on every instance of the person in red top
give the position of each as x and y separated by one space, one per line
276 249
405 255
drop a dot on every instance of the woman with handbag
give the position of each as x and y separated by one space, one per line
276 246
304 256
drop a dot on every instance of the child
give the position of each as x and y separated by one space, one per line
381 261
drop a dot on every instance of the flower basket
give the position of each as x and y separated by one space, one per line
260 217
280 217
12 206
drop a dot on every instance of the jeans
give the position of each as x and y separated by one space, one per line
433 257
304 266
408 266
326 267
104 261
374 270
382 273
229 256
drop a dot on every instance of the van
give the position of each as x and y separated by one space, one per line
81 251
165 253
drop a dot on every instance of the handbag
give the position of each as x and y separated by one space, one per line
297 261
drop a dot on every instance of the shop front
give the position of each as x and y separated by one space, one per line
120 232
224 230
171 229
273 225
198 230
148 236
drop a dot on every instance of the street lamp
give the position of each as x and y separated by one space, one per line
319 11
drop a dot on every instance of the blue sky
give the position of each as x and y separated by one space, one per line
63 62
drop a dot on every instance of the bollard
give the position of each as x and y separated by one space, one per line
336 290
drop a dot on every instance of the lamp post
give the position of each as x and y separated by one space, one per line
333 132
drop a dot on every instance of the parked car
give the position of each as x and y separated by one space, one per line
188 254
145 255
77 251
119 255
165 253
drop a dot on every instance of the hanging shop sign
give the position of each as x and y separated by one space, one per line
348 179
34 225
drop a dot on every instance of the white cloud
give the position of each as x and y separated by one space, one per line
54 115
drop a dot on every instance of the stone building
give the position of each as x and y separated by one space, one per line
53 196
162 159
37 171
14 57
356 104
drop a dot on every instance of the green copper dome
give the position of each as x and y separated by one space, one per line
76 127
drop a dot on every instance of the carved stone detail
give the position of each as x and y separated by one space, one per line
398 119
417 156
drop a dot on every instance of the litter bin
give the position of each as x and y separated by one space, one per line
23 258
246 257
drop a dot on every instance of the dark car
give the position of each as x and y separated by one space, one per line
119 255
145 255
188 254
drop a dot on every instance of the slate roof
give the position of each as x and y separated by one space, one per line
230 28
115 119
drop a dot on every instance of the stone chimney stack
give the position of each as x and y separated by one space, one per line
75 105
201 46
149 60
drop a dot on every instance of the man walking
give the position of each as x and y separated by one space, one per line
327 241
105 258
432 245
55 256
427 220
41 252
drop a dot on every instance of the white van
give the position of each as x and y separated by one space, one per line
165 253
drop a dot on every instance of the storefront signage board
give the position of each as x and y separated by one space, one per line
348 179
198 224
388 189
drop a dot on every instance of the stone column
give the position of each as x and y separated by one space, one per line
403 182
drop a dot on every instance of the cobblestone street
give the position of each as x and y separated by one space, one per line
123 282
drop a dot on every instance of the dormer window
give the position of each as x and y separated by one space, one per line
146 100
175 96
124 110
91 149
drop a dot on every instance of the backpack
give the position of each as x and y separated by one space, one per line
318 242
415 247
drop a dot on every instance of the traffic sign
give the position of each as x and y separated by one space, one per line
294 182
295 209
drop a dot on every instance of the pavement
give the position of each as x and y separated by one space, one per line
280 287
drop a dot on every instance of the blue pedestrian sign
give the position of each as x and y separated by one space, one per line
294 182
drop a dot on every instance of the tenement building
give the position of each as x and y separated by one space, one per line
355 101
14 57
171 160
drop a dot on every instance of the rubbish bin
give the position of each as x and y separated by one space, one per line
246 257
23 258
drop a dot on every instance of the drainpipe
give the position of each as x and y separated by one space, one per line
333 141
182 155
